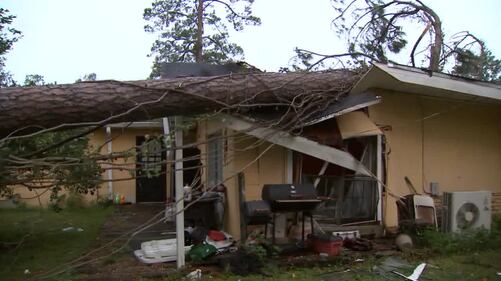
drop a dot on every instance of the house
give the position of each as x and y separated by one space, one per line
397 123
439 129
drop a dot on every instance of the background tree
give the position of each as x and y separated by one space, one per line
374 30
480 64
8 36
88 77
194 31
34 80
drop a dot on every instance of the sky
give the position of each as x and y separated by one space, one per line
66 39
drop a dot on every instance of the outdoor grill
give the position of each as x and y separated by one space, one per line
290 197
257 212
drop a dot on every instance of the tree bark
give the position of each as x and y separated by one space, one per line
200 32
30 108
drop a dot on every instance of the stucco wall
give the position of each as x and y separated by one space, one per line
122 140
268 168
457 145
240 150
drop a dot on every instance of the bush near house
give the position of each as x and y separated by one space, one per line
457 243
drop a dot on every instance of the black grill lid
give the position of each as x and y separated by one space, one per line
276 192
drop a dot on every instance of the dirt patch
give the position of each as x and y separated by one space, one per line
123 265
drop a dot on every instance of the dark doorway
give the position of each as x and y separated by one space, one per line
150 170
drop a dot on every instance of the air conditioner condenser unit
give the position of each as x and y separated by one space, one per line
466 210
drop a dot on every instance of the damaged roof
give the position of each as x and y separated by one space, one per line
413 80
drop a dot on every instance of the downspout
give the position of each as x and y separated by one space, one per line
109 172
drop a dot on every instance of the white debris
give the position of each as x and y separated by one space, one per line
415 275
195 275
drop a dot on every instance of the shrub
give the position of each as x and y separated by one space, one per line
467 241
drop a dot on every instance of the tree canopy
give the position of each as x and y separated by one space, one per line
374 30
195 31
8 36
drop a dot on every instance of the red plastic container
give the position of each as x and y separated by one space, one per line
331 245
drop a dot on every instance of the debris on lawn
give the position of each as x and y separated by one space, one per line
347 234
404 242
326 244
195 275
158 251
201 251
396 264
357 244
391 264
415 274
72 229
199 245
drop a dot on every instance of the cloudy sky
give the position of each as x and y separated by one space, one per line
65 39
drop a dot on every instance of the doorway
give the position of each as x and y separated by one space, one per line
150 170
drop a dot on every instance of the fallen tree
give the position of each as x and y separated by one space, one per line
94 103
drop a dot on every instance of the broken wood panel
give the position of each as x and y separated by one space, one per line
297 143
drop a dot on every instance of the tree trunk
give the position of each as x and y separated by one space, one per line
108 101
200 32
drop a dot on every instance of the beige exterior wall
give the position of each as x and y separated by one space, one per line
123 139
241 155
457 145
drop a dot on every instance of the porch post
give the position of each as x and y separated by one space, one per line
109 173
169 156
179 194
379 175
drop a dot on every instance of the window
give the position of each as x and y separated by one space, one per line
215 159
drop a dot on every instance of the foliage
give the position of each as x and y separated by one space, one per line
87 77
465 242
374 30
68 166
8 36
34 80
183 37
482 66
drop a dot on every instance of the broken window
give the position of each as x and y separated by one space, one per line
215 152
347 197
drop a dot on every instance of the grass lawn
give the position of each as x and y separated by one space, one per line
44 244
475 266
